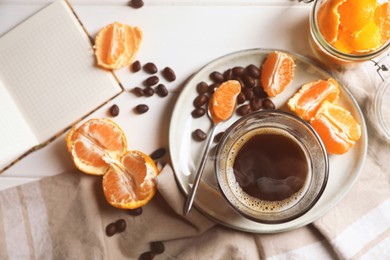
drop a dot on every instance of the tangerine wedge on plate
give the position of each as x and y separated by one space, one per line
223 101
337 128
306 102
277 72
99 147
116 45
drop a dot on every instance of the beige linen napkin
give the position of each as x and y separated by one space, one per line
64 217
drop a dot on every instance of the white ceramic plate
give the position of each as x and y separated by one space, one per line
186 153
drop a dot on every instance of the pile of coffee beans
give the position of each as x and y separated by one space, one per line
152 84
156 248
116 227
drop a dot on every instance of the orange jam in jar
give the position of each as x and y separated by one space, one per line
346 32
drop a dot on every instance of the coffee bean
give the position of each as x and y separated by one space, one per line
218 137
248 92
241 98
212 87
249 82
239 80
238 71
136 212
268 104
139 92
157 247
253 71
198 112
150 68
136 66
244 110
151 81
159 153
169 74
142 108
147 256
136 3
148 91
114 110
200 100
228 74
161 90
199 135
202 87
120 225
217 77
111 229
256 103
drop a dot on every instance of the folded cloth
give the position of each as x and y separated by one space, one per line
65 217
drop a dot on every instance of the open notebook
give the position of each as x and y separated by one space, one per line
48 80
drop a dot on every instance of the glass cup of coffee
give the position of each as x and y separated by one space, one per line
271 166
346 33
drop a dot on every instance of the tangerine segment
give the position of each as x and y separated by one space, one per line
224 100
306 102
337 128
116 45
95 144
382 20
355 14
131 184
277 72
369 38
329 20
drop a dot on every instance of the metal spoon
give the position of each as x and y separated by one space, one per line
199 173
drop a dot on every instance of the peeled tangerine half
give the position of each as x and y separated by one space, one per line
306 102
99 147
277 72
116 45
337 128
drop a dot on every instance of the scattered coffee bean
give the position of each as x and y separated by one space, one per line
161 90
159 153
136 212
114 110
136 66
147 256
198 112
249 82
150 68
136 3
142 108
199 135
218 137
253 71
241 98
239 80
202 87
169 74
157 247
200 100
111 229
238 71
139 92
268 104
244 110
148 91
217 77
120 225
228 74
255 103
248 92
151 81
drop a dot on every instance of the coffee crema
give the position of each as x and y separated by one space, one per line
269 166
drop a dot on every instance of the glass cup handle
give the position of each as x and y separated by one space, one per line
381 67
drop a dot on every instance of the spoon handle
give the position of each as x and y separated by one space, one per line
198 176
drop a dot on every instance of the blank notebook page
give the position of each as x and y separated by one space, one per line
48 66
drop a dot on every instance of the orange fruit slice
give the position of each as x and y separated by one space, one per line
306 102
355 14
328 20
99 147
382 20
116 45
130 184
95 144
224 100
337 128
277 72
